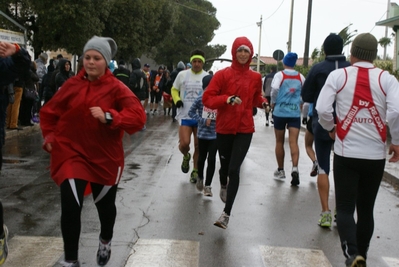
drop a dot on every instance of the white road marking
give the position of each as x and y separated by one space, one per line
34 251
284 256
164 253
392 262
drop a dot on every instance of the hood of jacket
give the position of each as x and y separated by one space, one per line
136 64
236 44
181 65
61 65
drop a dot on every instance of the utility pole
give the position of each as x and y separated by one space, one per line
386 29
289 43
260 37
306 54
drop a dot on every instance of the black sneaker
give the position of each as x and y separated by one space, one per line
185 165
295 178
103 253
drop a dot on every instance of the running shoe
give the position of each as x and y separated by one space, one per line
194 176
70 264
208 191
222 221
200 184
185 165
279 174
4 245
315 169
103 253
325 219
267 122
355 261
295 178
335 215
223 193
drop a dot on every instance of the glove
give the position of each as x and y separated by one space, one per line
305 121
266 107
179 104
234 100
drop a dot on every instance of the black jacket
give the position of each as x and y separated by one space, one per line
122 74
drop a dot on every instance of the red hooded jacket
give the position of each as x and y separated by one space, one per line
82 146
237 80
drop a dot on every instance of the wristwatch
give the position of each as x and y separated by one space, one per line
108 117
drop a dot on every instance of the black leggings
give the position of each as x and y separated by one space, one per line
207 149
232 151
71 211
356 186
155 96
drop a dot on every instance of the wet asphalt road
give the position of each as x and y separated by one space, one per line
156 202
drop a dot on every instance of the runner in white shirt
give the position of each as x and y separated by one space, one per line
186 88
366 97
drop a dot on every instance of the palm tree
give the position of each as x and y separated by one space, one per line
346 35
315 54
384 42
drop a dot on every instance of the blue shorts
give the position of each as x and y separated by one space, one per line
281 123
188 122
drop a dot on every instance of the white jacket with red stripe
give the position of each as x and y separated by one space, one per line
363 138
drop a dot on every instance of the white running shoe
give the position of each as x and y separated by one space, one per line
279 174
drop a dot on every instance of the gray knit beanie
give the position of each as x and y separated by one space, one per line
105 45
364 47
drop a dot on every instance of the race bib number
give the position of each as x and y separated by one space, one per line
208 113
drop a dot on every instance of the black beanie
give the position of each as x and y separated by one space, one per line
364 47
206 80
333 45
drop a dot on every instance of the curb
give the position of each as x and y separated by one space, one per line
25 130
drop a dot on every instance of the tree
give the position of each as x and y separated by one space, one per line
158 28
346 35
189 34
139 25
385 42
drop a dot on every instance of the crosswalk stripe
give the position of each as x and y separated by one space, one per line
285 256
164 253
391 262
34 251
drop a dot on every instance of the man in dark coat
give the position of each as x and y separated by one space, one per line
122 73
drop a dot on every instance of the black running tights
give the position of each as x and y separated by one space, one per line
207 149
71 211
356 186
232 151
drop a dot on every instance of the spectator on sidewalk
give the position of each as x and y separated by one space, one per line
365 98
122 73
14 62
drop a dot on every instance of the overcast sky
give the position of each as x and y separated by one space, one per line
240 17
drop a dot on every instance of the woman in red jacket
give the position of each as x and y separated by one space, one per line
234 92
83 126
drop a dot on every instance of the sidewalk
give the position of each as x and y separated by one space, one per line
25 130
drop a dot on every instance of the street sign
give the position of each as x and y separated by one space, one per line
278 55
12 37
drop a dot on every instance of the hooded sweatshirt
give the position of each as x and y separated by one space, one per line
237 80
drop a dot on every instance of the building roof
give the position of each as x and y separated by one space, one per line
270 60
